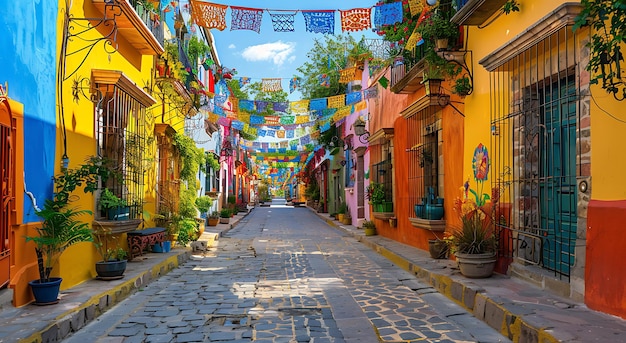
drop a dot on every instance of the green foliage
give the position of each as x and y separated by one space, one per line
60 229
439 26
263 191
375 193
61 226
474 236
510 6
172 57
204 203
607 21
196 49
369 224
192 158
109 200
225 213
106 244
343 208
211 161
232 199
326 58
312 191
329 136
187 230
86 175
186 207
462 86
214 215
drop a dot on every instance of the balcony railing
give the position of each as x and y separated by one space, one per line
475 12
133 28
406 72
153 19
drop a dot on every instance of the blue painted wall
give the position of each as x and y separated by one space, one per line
27 63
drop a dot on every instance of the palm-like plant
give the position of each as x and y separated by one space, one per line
59 229
60 226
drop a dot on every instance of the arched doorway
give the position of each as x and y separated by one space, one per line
6 185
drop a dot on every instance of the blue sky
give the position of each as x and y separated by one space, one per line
270 54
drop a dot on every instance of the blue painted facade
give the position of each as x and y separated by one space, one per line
28 67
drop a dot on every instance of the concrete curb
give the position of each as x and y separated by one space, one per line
471 297
76 318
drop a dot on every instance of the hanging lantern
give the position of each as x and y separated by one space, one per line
359 127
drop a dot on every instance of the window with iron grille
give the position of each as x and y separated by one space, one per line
425 174
536 133
121 124
381 171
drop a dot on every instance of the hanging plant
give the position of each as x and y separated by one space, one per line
607 22
462 86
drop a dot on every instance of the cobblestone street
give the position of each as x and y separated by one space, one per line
284 275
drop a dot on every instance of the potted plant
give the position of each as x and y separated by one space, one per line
375 194
214 218
347 218
439 248
369 227
60 226
341 211
114 207
225 216
439 29
113 263
462 86
474 243
203 204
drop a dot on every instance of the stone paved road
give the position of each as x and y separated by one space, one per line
283 275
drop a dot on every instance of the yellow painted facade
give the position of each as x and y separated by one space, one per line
132 54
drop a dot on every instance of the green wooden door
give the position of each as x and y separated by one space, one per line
558 180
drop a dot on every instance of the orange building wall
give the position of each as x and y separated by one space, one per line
385 112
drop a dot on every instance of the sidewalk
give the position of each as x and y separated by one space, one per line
81 304
518 310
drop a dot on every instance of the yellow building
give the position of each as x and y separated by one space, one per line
111 103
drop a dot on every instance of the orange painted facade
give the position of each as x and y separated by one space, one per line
386 112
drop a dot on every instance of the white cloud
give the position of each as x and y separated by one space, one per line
278 52
232 46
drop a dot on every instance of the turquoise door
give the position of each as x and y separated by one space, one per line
558 198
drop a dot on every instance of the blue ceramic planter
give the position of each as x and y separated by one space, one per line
46 292
419 210
167 246
434 211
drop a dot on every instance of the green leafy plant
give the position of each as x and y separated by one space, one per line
375 193
343 208
60 226
510 6
462 86
225 213
607 22
187 230
106 244
312 191
369 224
439 26
203 203
214 215
109 200
196 49
476 234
